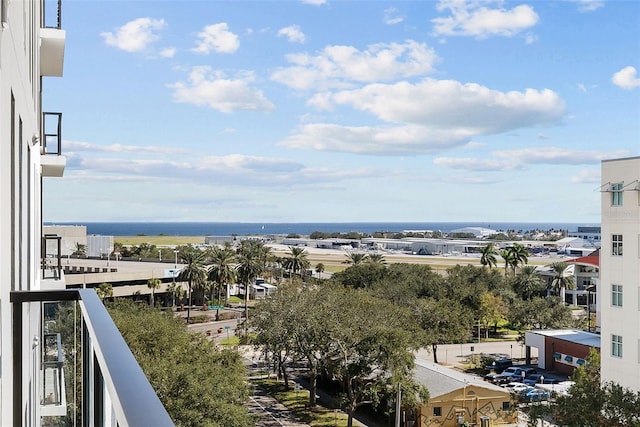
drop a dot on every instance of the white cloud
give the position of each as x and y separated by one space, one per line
293 33
589 5
394 140
168 52
136 35
392 16
475 164
587 176
448 104
426 117
473 18
206 87
339 66
216 38
76 146
558 156
627 78
509 160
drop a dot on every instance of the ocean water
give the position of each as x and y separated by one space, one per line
302 228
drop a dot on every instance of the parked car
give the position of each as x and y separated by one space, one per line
497 379
516 388
534 395
499 365
516 373
534 379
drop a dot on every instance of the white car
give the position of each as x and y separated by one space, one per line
516 387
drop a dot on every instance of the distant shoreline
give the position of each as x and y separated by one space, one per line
301 228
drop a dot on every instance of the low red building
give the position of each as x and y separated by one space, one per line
562 350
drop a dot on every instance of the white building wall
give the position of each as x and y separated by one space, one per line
99 245
622 321
20 201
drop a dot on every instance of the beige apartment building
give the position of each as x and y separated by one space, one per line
620 272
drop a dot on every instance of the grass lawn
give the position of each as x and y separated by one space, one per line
159 240
296 402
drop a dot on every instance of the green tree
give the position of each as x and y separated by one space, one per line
583 406
509 260
372 345
222 269
198 383
520 256
80 250
193 272
562 279
492 311
355 258
104 291
319 269
153 284
251 260
176 291
376 258
528 283
488 256
296 260
444 321
539 313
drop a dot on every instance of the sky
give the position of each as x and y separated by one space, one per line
342 111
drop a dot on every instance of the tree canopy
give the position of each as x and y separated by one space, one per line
199 384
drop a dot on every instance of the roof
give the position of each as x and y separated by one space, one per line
571 335
592 259
441 380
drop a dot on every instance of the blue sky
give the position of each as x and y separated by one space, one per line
342 111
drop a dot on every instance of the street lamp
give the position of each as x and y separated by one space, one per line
175 251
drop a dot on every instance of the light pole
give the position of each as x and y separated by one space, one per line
175 266
117 255
159 255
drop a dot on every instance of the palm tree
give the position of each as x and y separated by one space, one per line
251 259
520 256
80 250
222 271
528 283
488 257
376 259
296 261
507 255
177 291
193 272
355 258
563 278
153 284
319 269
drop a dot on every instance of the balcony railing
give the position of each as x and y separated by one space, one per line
52 133
52 161
51 258
112 388
53 384
52 14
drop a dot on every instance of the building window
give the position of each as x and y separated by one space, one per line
616 345
437 411
616 194
616 245
616 295
506 406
